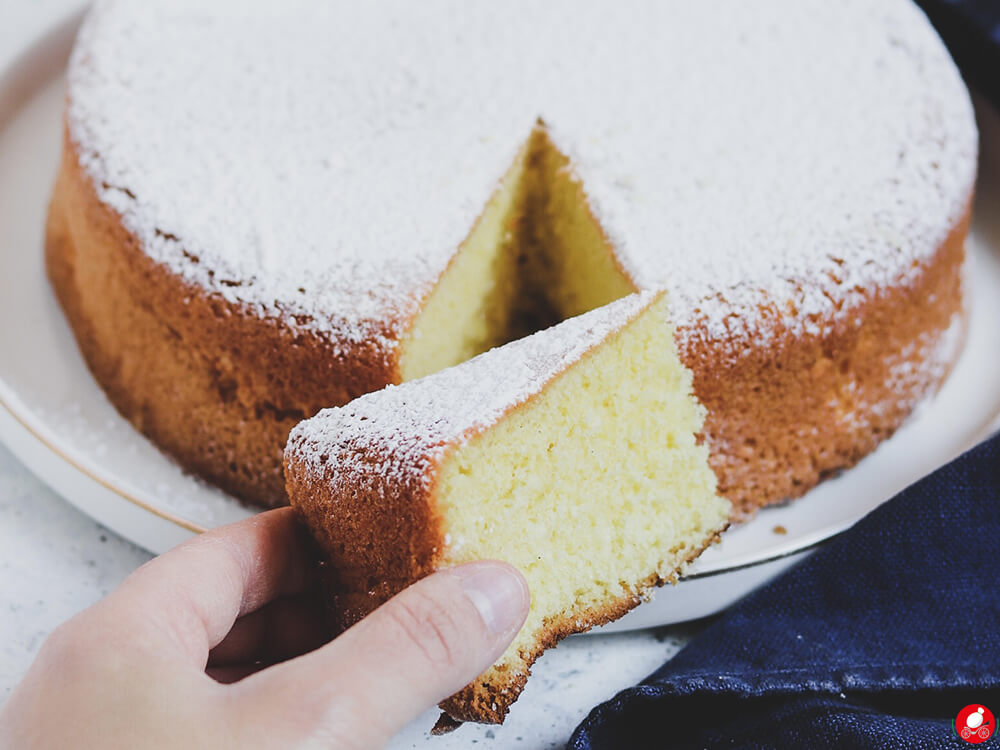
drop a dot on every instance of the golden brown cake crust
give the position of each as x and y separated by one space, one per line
210 382
219 388
784 416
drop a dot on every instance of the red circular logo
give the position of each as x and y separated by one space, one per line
975 723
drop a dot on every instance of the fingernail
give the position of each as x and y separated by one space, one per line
498 592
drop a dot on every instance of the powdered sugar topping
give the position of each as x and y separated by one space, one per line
768 162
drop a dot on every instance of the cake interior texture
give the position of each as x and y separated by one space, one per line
535 256
593 484
595 490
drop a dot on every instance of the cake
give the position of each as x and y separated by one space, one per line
571 453
262 212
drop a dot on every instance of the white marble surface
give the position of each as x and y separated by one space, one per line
55 561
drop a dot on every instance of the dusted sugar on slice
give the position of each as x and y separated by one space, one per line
572 454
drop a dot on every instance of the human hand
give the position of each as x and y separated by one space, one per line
206 647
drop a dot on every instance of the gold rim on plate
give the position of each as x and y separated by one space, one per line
105 483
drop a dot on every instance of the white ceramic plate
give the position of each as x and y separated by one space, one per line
57 420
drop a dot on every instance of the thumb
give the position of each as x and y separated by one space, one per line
422 646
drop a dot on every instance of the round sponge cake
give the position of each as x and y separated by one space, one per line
264 211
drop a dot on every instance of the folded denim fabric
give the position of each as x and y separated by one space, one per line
878 640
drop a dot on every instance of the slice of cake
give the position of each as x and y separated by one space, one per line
571 454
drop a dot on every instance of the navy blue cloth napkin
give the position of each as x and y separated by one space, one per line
876 641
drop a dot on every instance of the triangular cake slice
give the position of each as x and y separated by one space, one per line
571 454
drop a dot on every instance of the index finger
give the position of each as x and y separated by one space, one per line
196 591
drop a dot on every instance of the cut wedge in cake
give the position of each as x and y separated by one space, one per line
572 454
535 256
